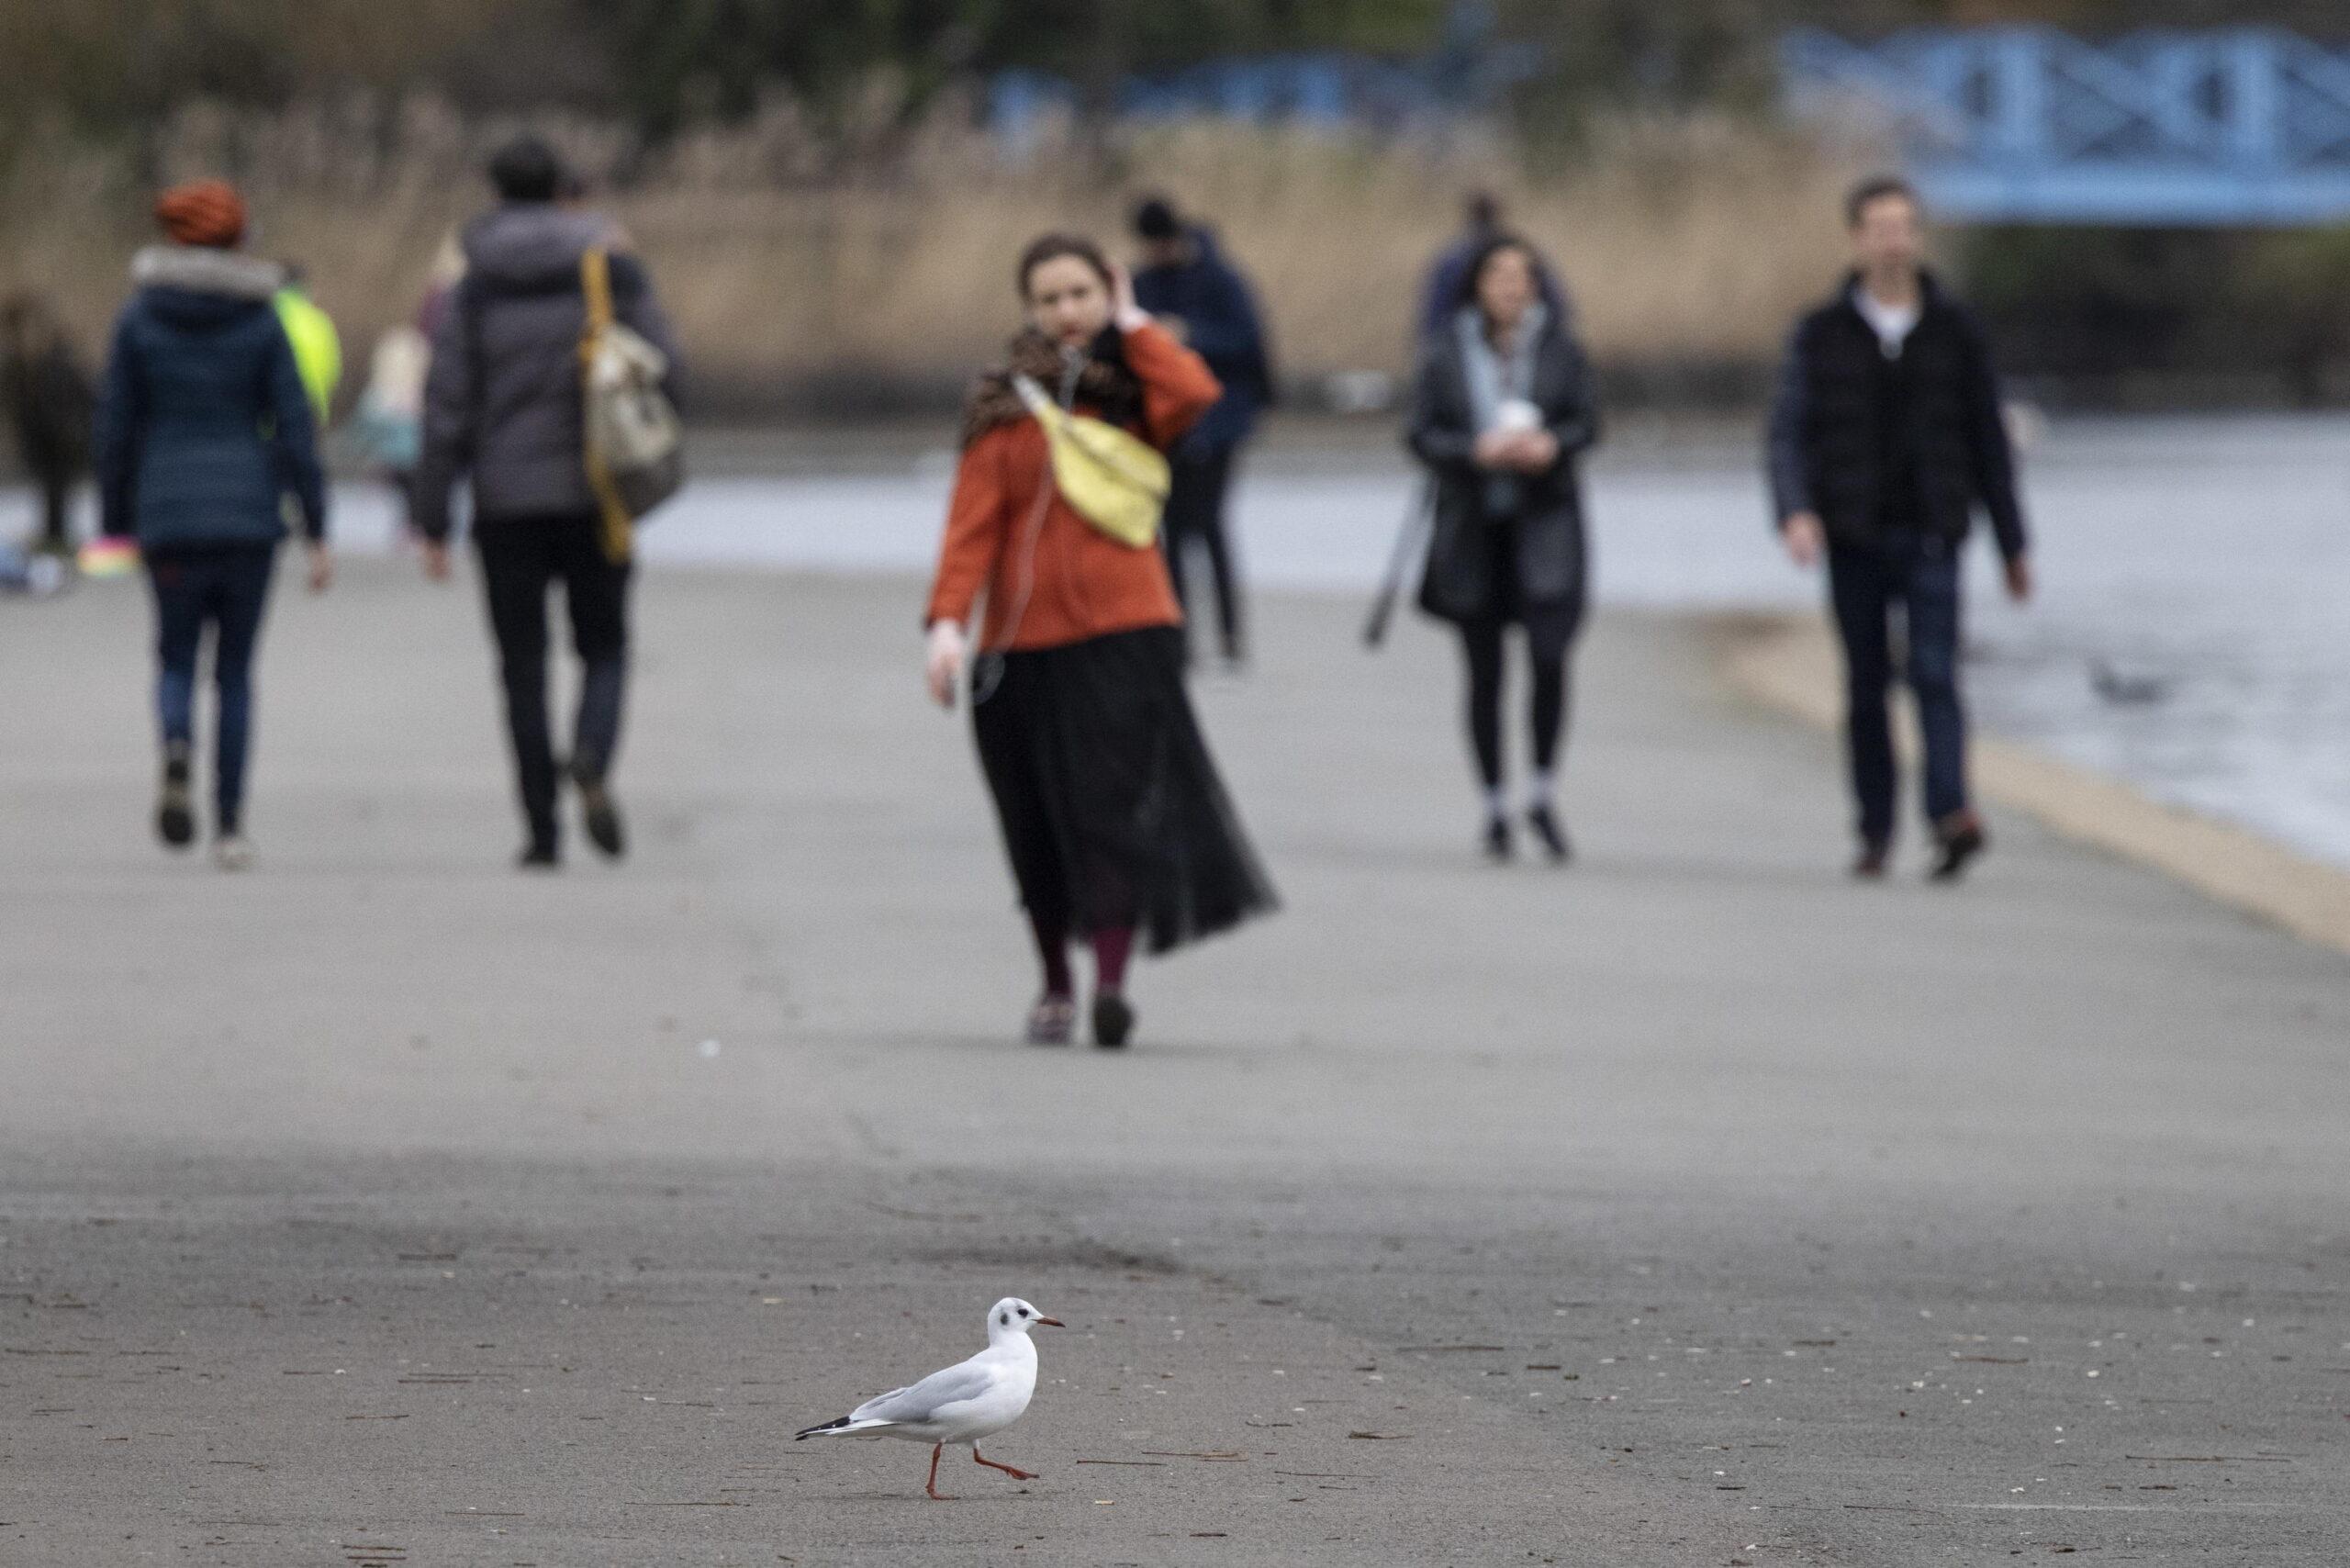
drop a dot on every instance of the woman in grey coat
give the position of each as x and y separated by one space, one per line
1502 406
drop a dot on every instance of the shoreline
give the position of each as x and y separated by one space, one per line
1786 663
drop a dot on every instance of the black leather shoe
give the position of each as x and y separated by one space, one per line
1959 838
1499 845
603 817
174 806
1114 1021
1545 824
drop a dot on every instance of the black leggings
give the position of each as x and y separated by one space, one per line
1195 511
1548 636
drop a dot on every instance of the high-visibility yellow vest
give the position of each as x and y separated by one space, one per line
317 351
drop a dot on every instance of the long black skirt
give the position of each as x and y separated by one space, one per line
1111 807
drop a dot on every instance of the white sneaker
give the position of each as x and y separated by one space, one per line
232 852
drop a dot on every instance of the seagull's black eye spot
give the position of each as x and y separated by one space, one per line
1024 1312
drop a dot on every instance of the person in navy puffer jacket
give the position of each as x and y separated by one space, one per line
203 433
1187 283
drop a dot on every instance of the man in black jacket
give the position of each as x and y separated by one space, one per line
1885 433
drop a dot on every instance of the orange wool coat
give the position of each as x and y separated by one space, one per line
1077 583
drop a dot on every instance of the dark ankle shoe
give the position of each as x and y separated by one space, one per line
1053 1021
1545 824
602 816
539 857
1959 838
1499 846
1114 1020
174 806
1870 864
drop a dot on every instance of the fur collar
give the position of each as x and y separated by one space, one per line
200 269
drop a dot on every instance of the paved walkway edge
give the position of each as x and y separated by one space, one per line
1788 664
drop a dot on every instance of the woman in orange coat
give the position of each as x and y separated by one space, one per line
1114 817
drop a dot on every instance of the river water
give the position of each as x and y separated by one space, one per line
2192 634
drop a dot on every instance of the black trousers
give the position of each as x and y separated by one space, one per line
56 510
1550 633
522 558
1196 516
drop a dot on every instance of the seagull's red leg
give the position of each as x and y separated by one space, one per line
931 1485
1015 1474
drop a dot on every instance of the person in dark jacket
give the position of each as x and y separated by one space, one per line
203 432
1885 435
49 401
1185 281
1481 222
503 405
1502 408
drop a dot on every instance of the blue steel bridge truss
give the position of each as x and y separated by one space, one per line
2241 127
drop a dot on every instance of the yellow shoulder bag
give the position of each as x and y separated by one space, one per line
1112 478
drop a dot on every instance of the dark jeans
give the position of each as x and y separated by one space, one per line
521 559
225 588
1865 586
1196 516
1550 631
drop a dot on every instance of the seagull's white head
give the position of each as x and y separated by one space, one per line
1012 1316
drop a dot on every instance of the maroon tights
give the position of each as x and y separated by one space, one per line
1112 948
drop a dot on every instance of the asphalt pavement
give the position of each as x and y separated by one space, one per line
1689 1206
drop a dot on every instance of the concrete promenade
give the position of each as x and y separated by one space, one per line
1691 1206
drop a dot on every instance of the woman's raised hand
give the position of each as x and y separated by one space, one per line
942 663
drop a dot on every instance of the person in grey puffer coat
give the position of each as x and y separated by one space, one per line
503 407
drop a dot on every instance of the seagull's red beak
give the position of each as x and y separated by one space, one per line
1043 1322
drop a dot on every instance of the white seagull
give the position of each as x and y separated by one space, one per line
968 1401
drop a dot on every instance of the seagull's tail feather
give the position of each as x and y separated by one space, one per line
841 1426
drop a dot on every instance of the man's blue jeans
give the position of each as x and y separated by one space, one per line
226 587
1865 586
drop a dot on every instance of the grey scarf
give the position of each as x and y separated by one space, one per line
1494 380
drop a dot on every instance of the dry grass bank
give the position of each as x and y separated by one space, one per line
1688 242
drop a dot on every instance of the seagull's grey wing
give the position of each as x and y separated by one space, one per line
926 1398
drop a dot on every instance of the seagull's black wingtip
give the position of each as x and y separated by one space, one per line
834 1424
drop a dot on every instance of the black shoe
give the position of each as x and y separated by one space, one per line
539 857
1546 827
1875 854
1114 1020
1499 845
602 815
1959 838
174 807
